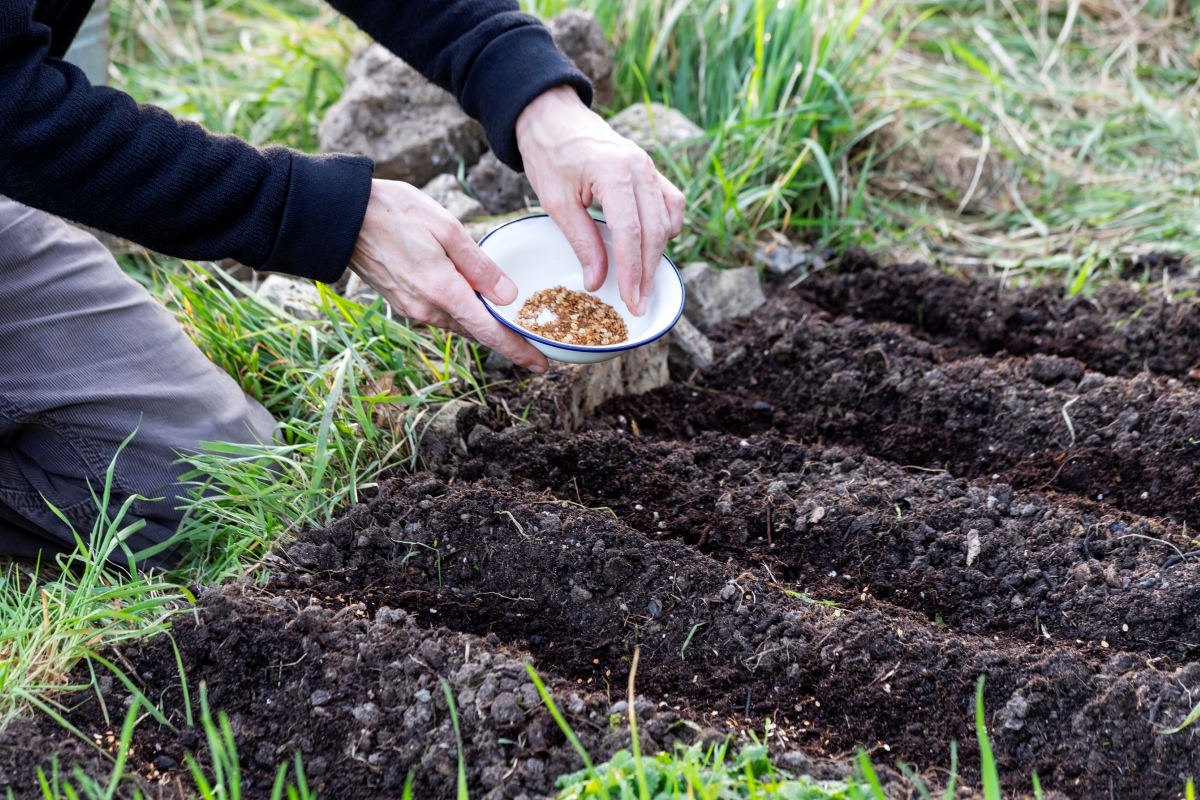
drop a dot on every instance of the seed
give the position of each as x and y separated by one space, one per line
578 317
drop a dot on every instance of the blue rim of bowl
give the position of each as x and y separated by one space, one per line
577 348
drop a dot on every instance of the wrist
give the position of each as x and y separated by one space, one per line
552 105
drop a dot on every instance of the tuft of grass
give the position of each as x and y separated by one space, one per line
778 87
1040 141
55 614
354 392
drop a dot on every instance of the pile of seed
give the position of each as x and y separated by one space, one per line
572 318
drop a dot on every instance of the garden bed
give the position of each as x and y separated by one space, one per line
838 526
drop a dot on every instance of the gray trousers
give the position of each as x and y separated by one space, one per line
86 358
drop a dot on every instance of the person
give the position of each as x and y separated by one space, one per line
86 355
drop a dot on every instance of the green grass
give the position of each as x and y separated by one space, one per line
220 781
354 393
61 611
265 71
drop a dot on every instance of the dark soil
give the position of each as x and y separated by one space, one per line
1118 332
839 526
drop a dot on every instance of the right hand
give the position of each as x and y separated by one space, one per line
421 260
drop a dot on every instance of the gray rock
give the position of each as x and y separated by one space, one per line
1014 713
579 35
589 385
796 762
411 128
654 125
506 710
298 298
714 296
1091 380
367 714
580 594
359 291
449 194
780 256
690 346
500 189
1049 369
320 697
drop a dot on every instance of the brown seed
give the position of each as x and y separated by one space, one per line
578 318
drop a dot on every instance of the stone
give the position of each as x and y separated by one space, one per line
715 296
578 34
359 291
779 255
296 297
320 697
633 373
689 346
390 112
500 189
654 125
440 438
580 594
1091 380
449 194
1049 369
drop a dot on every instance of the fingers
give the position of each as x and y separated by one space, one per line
675 202
581 231
456 297
655 226
481 272
621 212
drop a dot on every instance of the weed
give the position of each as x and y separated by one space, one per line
51 617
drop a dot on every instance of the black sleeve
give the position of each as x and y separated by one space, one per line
93 155
494 59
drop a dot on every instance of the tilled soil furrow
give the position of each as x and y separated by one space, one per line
1118 332
360 698
1042 423
581 589
982 558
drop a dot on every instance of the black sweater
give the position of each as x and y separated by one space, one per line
93 155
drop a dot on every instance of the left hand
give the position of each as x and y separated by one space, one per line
572 156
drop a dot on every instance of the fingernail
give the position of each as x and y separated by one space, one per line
537 368
636 296
505 290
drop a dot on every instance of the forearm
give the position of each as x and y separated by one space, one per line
93 155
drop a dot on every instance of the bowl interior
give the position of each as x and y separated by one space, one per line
534 252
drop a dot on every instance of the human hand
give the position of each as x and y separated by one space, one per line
572 156
420 258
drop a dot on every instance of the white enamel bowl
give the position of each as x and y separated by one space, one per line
536 255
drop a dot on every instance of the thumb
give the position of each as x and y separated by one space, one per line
583 234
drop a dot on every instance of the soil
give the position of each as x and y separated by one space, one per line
838 526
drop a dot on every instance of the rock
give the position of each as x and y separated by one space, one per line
1048 369
298 298
714 296
506 710
500 189
440 439
588 385
580 594
445 189
320 697
796 761
690 346
411 128
653 125
1091 380
358 291
779 255
1014 713
578 34
481 228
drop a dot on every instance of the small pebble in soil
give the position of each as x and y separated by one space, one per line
572 318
